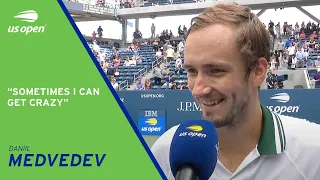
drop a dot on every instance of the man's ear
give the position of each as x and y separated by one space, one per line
259 73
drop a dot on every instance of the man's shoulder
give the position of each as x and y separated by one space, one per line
302 144
161 150
164 141
301 130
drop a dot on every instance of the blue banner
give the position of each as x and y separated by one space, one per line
179 105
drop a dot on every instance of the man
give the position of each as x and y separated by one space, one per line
316 79
224 76
270 80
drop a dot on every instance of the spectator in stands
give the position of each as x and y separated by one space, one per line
116 61
155 45
280 47
185 30
110 72
180 31
139 85
132 4
165 71
270 80
121 4
157 74
105 69
114 51
169 54
147 84
183 85
288 43
291 53
178 62
284 28
300 58
271 28
127 62
114 84
278 30
139 59
165 46
158 55
273 62
132 61
153 30
302 35
316 79
116 72
100 30
169 80
296 31
180 47
94 35
310 63
314 35
174 86
179 70
137 34
312 44
305 54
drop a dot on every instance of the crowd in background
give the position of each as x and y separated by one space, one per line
288 53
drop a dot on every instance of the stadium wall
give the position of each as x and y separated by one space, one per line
154 112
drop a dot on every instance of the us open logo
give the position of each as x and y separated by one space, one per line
28 16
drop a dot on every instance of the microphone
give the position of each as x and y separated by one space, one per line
194 150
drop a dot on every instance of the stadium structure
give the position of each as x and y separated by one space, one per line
91 11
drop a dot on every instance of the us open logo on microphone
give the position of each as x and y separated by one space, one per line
194 131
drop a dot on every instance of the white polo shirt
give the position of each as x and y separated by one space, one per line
288 149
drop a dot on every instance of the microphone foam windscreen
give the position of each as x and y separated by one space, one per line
195 143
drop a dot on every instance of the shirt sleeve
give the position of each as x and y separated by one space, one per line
161 150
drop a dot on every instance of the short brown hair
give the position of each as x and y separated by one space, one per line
252 38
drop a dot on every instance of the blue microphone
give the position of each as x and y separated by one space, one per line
194 150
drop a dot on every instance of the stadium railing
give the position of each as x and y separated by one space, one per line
139 74
124 85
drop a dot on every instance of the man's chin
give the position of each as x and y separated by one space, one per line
219 122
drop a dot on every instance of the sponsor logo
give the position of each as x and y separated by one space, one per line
195 128
152 126
193 131
283 98
29 16
152 121
152 96
189 107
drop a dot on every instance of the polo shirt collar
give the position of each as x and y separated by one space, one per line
272 139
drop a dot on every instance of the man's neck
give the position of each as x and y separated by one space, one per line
239 141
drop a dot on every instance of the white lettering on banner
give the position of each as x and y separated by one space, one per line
97 9
151 113
151 129
284 109
152 95
189 106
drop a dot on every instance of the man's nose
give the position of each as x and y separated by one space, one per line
201 87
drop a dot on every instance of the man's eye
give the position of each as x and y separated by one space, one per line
214 71
191 71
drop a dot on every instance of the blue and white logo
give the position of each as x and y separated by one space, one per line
281 97
152 125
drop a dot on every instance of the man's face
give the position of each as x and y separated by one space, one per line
217 74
